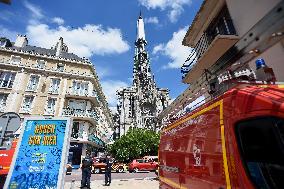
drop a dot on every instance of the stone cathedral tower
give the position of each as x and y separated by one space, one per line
139 105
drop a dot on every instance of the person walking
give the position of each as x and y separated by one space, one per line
87 163
109 162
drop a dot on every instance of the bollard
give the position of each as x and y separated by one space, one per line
72 184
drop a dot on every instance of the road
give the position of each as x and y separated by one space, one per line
77 175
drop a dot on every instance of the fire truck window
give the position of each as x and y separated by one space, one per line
261 143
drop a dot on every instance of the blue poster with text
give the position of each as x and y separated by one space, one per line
39 156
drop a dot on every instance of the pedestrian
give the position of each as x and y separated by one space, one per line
87 163
109 162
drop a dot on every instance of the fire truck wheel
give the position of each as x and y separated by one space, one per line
97 170
135 170
120 170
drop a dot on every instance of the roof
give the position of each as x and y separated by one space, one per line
48 52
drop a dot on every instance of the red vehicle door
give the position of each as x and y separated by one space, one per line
149 165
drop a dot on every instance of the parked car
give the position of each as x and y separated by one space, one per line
68 169
99 166
142 165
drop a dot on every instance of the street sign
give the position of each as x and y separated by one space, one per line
9 123
41 154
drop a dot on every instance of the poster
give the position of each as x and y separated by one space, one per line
41 155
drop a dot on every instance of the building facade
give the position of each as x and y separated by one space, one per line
139 105
35 81
226 43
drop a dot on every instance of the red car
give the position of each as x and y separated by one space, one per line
142 165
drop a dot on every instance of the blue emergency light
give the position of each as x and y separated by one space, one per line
260 63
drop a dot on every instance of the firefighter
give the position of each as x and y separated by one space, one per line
87 163
109 162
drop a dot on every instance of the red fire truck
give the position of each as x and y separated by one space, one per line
6 156
9 124
233 141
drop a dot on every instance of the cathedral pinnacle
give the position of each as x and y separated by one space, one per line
140 28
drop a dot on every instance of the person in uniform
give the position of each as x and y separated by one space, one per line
109 162
87 163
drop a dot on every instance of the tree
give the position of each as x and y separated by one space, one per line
136 143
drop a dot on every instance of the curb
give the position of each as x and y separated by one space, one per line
146 178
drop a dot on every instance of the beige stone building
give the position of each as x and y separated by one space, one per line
35 81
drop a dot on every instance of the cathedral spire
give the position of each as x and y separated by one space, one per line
140 28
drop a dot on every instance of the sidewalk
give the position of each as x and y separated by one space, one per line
119 184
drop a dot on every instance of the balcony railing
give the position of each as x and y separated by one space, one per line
83 93
224 26
75 92
70 112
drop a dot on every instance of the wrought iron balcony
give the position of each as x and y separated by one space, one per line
83 94
70 112
215 41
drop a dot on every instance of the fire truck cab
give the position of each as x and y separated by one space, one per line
233 141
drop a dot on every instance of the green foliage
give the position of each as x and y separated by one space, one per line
135 144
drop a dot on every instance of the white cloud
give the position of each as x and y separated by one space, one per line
174 49
151 20
175 6
35 10
58 20
103 71
110 87
83 41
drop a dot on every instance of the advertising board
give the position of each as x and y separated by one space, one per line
41 154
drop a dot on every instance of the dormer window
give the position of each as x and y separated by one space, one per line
40 64
60 67
2 43
15 60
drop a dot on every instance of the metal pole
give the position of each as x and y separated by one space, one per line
4 130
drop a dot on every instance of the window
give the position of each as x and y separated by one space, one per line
50 107
33 83
27 104
221 25
140 160
40 64
60 67
261 143
3 98
80 88
2 43
54 86
7 79
75 130
15 59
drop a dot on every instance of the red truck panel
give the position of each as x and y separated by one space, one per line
200 150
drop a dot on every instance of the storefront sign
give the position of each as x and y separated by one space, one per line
41 155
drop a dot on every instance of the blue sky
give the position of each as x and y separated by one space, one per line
105 31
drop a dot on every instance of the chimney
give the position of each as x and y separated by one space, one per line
21 41
60 47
